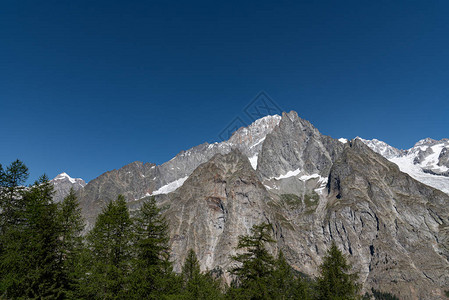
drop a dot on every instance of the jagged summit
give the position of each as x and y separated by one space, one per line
382 148
424 142
65 176
63 183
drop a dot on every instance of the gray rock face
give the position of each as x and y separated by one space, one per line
394 227
443 158
63 183
221 200
296 145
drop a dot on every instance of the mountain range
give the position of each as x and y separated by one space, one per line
387 209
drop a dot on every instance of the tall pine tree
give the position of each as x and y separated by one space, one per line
12 227
335 281
71 247
152 274
255 265
12 188
198 285
110 246
29 260
284 281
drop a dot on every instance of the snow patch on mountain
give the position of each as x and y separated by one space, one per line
170 187
308 177
288 174
253 161
64 176
248 140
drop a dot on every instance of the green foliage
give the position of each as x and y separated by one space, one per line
12 202
191 268
283 282
335 281
255 265
291 200
294 201
71 225
152 273
378 295
197 285
311 199
110 246
30 267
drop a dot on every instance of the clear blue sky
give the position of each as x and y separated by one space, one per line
89 86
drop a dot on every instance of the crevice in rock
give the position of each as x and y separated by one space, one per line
377 222
428 277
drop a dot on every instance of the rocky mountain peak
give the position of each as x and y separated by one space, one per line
255 132
425 142
296 144
382 148
63 183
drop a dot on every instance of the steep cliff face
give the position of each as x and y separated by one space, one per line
394 227
296 145
221 200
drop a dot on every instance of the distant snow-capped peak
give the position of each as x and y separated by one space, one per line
248 139
255 133
382 148
63 183
427 161
65 177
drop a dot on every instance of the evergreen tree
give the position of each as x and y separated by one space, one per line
110 246
29 260
198 285
284 281
12 187
303 288
191 268
152 270
335 282
71 245
11 202
256 265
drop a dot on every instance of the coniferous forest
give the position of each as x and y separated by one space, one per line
45 254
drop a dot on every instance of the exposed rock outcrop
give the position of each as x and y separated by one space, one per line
63 183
